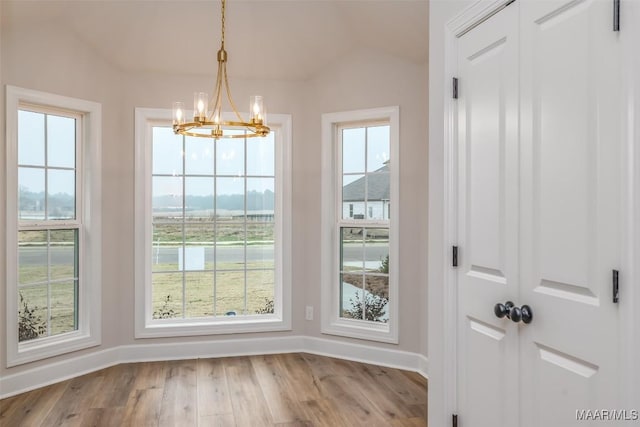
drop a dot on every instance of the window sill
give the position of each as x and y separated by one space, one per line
44 348
191 327
370 331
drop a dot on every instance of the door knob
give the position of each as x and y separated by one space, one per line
502 310
516 314
523 313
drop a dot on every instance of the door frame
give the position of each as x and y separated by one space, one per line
630 284
442 311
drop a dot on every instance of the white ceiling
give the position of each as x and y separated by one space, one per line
265 38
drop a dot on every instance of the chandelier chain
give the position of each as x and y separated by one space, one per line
224 69
224 6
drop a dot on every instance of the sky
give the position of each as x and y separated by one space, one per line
199 156
364 150
59 139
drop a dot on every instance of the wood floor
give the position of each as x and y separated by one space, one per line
276 390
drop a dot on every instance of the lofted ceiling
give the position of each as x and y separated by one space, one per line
272 39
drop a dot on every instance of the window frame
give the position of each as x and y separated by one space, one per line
332 222
87 221
145 325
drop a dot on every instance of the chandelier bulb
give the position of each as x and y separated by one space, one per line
178 113
200 106
257 109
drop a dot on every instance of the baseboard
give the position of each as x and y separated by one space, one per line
365 354
58 371
423 365
80 365
206 349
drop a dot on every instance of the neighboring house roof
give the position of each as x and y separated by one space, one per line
378 187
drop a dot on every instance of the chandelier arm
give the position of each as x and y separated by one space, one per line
233 106
226 136
218 108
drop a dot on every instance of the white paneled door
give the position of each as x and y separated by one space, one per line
488 219
539 215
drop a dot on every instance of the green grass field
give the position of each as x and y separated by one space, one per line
227 231
198 298
198 301
190 294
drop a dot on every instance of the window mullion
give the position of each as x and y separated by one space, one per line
364 265
48 283
338 177
245 225
366 171
215 230
338 299
46 167
363 223
49 225
79 184
184 226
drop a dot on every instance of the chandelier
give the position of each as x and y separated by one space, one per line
207 113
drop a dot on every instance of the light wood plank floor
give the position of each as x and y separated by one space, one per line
276 390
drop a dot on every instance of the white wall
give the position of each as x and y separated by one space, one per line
45 57
49 59
369 79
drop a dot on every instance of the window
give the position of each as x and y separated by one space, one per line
212 228
360 187
53 225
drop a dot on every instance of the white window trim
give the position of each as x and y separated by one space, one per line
332 323
89 332
145 327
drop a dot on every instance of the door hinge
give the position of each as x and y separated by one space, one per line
616 286
454 256
455 88
616 15
454 420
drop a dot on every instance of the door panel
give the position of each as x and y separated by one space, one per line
566 384
564 153
486 377
570 208
487 223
